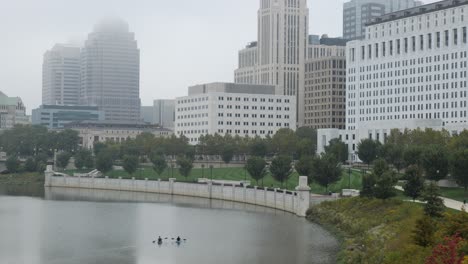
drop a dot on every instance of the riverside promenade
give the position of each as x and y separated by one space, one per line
296 202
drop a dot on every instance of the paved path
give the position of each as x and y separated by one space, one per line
449 203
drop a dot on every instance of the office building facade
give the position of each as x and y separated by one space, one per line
12 112
325 84
61 75
235 109
110 71
409 72
162 113
57 116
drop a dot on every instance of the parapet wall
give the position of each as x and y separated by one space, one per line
293 202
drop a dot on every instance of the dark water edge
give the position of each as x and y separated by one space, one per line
27 190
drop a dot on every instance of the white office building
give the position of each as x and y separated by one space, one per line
61 75
409 72
277 57
235 109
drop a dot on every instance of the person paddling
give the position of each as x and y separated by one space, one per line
178 240
160 240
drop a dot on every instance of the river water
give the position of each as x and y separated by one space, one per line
72 226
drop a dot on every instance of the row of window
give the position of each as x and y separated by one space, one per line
413 44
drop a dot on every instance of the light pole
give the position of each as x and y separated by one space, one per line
349 174
211 172
203 170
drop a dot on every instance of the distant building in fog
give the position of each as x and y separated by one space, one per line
110 71
162 113
61 75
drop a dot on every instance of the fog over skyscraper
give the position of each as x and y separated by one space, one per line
110 71
61 75
278 56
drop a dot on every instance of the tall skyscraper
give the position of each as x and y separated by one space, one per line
61 75
277 58
357 13
162 113
110 71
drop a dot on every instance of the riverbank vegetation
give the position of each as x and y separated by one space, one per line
378 228
390 231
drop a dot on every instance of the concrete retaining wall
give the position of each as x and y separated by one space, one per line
294 202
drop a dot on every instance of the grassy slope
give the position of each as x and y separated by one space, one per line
374 231
238 174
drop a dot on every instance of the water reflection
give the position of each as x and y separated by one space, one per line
72 226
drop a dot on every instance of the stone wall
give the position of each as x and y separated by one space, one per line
296 202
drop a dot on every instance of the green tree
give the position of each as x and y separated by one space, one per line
63 159
393 154
434 204
338 149
385 185
67 140
412 155
305 147
459 167
424 233
30 165
227 153
414 185
380 184
185 166
130 164
12 164
368 150
258 147
303 166
84 159
281 168
368 185
435 163
256 167
159 163
98 147
285 142
325 170
104 161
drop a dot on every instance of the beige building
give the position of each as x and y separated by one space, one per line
12 112
325 84
91 132
277 57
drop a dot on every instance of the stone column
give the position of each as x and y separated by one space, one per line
48 174
303 197
171 185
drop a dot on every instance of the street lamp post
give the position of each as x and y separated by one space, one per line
203 170
211 172
349 178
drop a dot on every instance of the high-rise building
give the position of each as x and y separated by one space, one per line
277 57
162 113
325 84
409 72
61 75
12 112
234 109
110 71
356 13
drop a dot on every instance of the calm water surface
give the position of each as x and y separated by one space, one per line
71 226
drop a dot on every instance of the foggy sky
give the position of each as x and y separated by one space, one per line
182 42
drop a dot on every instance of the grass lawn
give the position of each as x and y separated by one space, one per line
22 178
457 194
237 174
